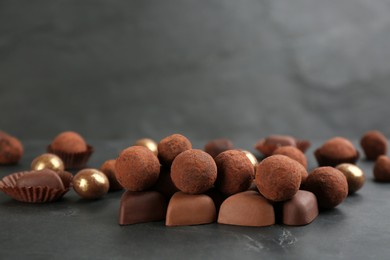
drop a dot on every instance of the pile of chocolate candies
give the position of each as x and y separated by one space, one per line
186 186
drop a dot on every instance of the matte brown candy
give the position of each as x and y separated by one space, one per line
186 209
42 178
141 206
336 151
165 184
302 209
247 208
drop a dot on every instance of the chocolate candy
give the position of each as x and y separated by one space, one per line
171 146
90 184
235 172
268 145
251 158
11 149
141 207
69 142
41 178
302 209
294 153
374 144
217 146
165 184
336 151
329 185
186 209
194 171
246 208
48 161
108 168
148 143
137 168
382 169
278 177
355 176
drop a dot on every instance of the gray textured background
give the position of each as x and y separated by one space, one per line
127 69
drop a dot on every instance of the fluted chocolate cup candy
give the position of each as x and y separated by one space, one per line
235 172
374 144
355 176
336 151
194 171
41 178
382 169
171 146
278 177
329 185
137 168
90 184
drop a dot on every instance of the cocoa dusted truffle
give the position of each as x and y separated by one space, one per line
11 149
294 153
194 171
69 142
382 169
217 146
137 168
171 146
235 172
278 177
268 145
374 144
329 185
108 168
336 151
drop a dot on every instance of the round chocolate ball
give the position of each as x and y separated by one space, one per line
69 142
171 146
217 146
148 143
137 168
90 184
11 149
374 144
294 153
278 177
382 169
329 185
235 172
108 168
355 176
336 151
48 161
194 171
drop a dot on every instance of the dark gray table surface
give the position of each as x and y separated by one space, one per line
73 228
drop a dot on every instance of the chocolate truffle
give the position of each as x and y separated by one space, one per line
247 208
41 178
382 169
187 209
355 176
336 151
165 184
217 146
141 207
137 168
278 177
148 143
268 145
235 172
329 185
69 142
171 146
11 149
294 153
374 144
90 184
108 168
194 171
302 209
